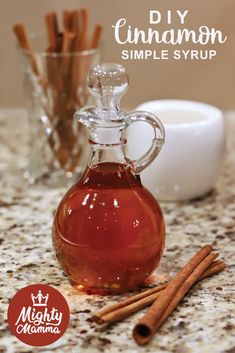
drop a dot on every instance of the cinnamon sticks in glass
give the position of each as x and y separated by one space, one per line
60 71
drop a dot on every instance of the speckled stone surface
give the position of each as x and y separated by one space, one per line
203 322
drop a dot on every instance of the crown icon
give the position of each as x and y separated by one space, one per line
39 300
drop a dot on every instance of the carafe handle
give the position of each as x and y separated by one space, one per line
157 142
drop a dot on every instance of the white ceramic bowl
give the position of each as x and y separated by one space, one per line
190 160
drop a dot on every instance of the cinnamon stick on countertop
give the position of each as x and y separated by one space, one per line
170 297
121 310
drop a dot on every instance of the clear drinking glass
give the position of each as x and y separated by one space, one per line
55 86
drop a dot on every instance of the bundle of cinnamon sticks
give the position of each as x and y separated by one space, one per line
68 58
163 298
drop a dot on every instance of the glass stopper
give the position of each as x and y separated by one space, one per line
108 83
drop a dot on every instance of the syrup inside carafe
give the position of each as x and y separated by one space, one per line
109 230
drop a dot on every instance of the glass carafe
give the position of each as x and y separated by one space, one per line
108 230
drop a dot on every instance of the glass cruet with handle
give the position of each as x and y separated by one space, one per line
108 230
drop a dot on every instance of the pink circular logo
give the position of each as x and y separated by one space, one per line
38 315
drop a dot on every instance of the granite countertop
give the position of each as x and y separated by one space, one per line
205 319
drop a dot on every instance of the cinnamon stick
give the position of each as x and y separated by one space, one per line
74 22
84 29
21 35
125 308
96 37
159 311
215 267
185 287
60 36
23 41
54 41
174 285
77 62
67 46
67 20
130 300
50 68
52 29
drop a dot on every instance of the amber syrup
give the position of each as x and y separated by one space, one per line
108 230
